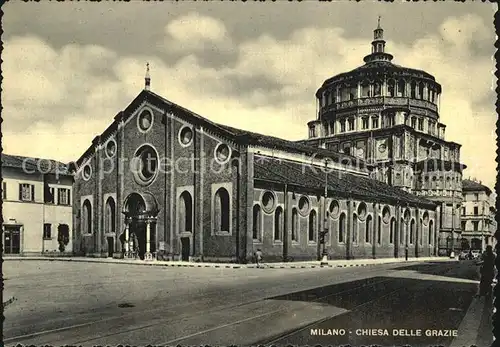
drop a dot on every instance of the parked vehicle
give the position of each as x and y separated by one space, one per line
464 255
476 253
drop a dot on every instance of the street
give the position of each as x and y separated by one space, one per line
61 303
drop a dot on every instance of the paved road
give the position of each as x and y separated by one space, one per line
107 304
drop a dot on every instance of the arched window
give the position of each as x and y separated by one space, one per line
365 89
186 212
312 226
86 218
391 231
412 231
256 223
377 89
391 88
379 230
221 210
278 223
295 224
413 89
354 228
421 90
402 230
431 231
342 228
368 229
401 88
110 226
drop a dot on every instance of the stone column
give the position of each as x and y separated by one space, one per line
126 238
374 231
148 255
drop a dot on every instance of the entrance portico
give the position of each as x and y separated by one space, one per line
139 236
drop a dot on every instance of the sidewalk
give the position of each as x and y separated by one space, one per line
289 265
476 327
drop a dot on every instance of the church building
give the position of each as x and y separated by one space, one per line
162 182
388 115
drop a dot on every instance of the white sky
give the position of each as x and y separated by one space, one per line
70 68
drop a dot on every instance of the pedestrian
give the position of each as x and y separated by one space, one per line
487 272
470 254
406 253
258 257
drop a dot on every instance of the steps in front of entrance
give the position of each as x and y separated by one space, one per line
289 265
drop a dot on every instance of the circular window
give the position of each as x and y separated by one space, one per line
145 120
222 153
386 214
362 211
145 164
334 209
111 148
186 136
268 202
87 172
382 147
303 205
425 219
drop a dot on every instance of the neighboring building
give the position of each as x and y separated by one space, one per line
37 209
388 115
191 189
478 215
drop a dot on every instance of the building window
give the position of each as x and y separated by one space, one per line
295 225
312 226
431 231
476 197
391 231
145 164
278 223
402 88
464 224
475 224
110 218
351 124
256 223
313 132
391 86
47 231
26 192
63 196
4 190
413 122
221 210
375 122
145 121
368 229
476 210
463 211
421 124
354 228
342 126
186 212
86 223
365 123
342 228
402 232
412 231
379 230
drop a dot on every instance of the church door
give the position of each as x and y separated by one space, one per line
185 248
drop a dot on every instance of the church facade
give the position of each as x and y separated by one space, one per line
169 184
388 115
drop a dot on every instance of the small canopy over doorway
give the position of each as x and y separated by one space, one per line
139 236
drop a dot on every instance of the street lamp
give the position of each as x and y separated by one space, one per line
324 258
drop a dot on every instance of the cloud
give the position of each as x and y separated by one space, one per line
53 97
194 32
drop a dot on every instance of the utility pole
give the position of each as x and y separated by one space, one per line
452 253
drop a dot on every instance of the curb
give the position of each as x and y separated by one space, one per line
220 266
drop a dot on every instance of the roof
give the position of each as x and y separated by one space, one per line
32 165
473 186
239 136
339 183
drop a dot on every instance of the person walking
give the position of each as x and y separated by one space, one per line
487 272
258 257
406 253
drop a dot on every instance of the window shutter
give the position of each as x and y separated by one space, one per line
32 192
20 191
